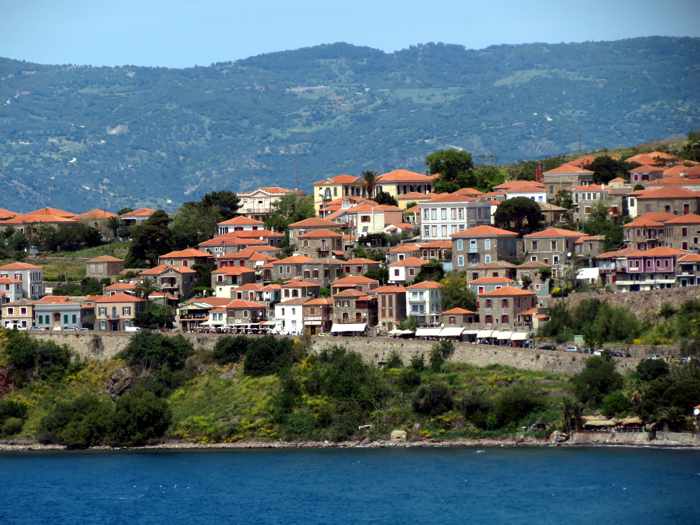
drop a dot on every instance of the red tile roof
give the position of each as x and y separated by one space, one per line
105 258
294 259
138 213
19 266
483 231
241 220
568 168
232 270
691 218
315 222
320 234
491 280
507 291
457 310
402 175
338 179
353 280
97 214
425 285
118 298
522 186
390 289
410 261
187 253
553 233
666 193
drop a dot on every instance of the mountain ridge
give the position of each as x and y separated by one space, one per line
114 136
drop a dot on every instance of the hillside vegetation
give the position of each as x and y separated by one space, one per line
78 137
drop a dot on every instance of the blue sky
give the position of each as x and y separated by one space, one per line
177 34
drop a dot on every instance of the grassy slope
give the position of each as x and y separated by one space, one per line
221 404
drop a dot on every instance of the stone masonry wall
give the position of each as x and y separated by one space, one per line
105 346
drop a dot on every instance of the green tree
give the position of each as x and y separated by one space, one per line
138 418
650 369
150 240
155 316
369 178
152 351
268 355
385 198
515 403
454 168
596 380
487 177
226 203
81 423
432 271
290 208
440 352
455 292
519 214
691 150
600 223
605 169
230 349
194 223
616 404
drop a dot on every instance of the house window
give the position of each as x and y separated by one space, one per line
426 231
126 310
487 258
489 303
487 244
452 320
460 245
504 303
102 310
534 245
504 319
460 260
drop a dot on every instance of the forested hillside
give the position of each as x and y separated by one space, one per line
78 137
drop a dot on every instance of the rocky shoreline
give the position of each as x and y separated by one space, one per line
514 442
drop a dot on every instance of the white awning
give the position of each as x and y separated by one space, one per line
428 332
519 336
451 331
484 334
212 323
588 274
502 335
312 323
344 328
400 332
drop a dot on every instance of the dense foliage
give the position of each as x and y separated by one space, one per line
157 135
519 214
28 358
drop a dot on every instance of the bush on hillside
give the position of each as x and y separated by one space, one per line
139 417
81 423
268 355
29 358
230 349
596 380
153 351
433 399
512 405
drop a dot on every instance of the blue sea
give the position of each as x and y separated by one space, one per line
395 486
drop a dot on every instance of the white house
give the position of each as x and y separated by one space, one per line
260 202
405 270
424 303
240 223
32 278
530 189
289 316
447 213
10 289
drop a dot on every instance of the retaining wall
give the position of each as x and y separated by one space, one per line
375 349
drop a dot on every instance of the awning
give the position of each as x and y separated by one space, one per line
428 332
397 333
470 332
519 336
212 323
502 335
345 328
484 334
451 331
312 323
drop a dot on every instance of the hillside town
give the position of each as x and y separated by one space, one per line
375 256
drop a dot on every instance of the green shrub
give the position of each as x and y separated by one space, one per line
9 408
11 426
30 358
139 417
650 369
408 380
475 408
596 380
418 362
230 349
439 353
616 404
268 355
152 351
433 399
81 423
515 403
394 360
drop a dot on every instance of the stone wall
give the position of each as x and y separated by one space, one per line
645 304
377 349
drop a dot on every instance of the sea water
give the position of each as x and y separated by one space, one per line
395 486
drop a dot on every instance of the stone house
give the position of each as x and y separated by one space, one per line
483 244
507 308
588 246
493 269
488 284
231 276
101 220
360 265
175 280
300 288
646 231
458 316
354 282
239 223
675 200
104 267
683 232
296 229
553 246
318 315
352 306
565 178
320 243
188 258
391 304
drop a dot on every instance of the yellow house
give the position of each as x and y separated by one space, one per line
401 182
337 187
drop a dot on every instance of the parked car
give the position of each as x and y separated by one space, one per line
546 346
132 329
571 348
